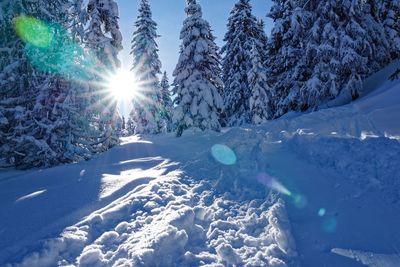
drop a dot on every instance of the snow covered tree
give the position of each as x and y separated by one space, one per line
264 41
244 32
286 47
196 84
41 125
78 17
103 21
147 108
319 50
260 97
130 126
166 102
389 13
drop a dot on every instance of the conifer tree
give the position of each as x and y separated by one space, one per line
260 97
244 32
320 50
146 113
389 14
166 103
196 84
103 20
40 126
286 54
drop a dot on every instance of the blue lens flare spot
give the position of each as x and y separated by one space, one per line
329 225
321 212
223 154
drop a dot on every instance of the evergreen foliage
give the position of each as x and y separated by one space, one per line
147 108
197 85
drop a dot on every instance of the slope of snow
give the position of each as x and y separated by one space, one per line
282 194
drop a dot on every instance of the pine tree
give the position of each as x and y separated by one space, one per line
103 20
389 14
322 57
130 126
243 32
320 50
40 126
146 113
196 84
260 97
166 103
286 62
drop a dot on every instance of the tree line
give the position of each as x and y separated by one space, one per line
54 107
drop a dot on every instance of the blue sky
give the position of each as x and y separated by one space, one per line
169 14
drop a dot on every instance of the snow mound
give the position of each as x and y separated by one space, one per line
368 258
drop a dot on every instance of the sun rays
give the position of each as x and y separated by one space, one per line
122 85
103 81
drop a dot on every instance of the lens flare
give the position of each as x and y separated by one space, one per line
329 225
223 154
321 212
122 85
50 48
300 201
272 183
33 31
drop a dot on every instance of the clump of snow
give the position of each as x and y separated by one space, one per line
368 258
191 227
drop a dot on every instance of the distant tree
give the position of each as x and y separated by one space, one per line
166 103
146 113
196 85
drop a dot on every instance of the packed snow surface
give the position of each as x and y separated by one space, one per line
288 193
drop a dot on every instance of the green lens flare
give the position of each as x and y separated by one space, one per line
33 31
300 201
223 154
50 48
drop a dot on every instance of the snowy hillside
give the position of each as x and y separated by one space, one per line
283 194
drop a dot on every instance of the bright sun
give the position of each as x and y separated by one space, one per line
122 85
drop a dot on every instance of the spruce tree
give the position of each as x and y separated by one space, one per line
260 97
40 125
320 50
389 14
147 107
286 62
196 84
166 103
104 41
243 32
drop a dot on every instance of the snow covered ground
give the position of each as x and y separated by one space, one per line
305 190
